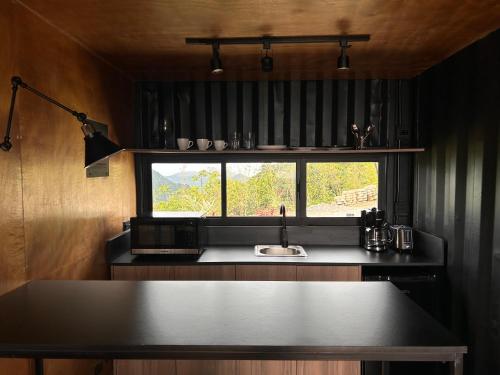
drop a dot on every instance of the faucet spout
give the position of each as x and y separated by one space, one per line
283 231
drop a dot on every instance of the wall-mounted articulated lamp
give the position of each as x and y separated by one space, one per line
97 146
266 41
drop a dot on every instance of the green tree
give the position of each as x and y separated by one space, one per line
325 181
203 198
262 193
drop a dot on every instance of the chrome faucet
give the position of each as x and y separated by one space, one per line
283 232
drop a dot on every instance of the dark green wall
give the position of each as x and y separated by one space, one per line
457 189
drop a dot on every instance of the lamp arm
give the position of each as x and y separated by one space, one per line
6 145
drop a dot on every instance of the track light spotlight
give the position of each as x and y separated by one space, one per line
215 62
266 61
343 59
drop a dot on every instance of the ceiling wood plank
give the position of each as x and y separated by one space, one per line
146 38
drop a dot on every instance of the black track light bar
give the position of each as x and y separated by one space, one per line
281 39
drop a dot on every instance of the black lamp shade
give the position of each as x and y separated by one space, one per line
215 61
216 65
343 61
98 147
266 63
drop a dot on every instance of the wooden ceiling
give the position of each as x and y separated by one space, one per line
145 38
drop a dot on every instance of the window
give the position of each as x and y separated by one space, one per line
258 189
341 189
186 188
248 189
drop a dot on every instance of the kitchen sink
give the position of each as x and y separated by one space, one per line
279 251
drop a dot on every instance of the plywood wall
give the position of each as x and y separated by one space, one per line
53 220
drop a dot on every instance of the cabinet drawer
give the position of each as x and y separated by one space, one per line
142 272
329 273
219 272
266 272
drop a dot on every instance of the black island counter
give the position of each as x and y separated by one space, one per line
221 320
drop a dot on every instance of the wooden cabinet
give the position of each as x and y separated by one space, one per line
142 272
218 272
205 272
328 368
205 367
267 367
265 272
144 367
329 273
213 367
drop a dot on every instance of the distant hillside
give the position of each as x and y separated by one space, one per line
239 177
184 177
187 178
158 180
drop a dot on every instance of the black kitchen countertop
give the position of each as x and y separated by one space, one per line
317 255
219 320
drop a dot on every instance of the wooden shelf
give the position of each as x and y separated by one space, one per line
332 151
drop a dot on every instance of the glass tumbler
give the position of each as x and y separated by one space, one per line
234 142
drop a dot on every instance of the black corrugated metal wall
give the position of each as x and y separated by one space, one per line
294 113
457 190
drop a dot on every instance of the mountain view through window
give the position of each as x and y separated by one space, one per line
187 188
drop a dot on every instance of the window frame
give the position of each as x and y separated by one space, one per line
145 196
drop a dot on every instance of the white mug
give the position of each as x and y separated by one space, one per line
184 143
220 144
203 144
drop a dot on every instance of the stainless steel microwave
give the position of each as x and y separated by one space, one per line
162 235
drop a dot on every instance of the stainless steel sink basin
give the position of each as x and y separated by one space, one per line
278 251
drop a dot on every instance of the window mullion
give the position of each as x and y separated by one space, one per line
223 190
301 193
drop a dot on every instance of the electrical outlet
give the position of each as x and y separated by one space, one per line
403 133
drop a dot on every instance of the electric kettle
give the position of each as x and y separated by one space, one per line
402 237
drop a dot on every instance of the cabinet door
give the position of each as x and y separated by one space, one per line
204 272
144 367
142 273
329 273
18 366
266 272
205 367
267 368
328 368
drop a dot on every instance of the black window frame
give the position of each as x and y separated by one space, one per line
145 196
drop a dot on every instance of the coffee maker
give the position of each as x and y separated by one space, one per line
374 231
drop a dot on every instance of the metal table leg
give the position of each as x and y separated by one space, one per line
457 366
38 366
385 368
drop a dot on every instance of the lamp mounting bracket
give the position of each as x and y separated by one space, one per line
281 39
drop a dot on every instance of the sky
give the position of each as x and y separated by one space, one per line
169 169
